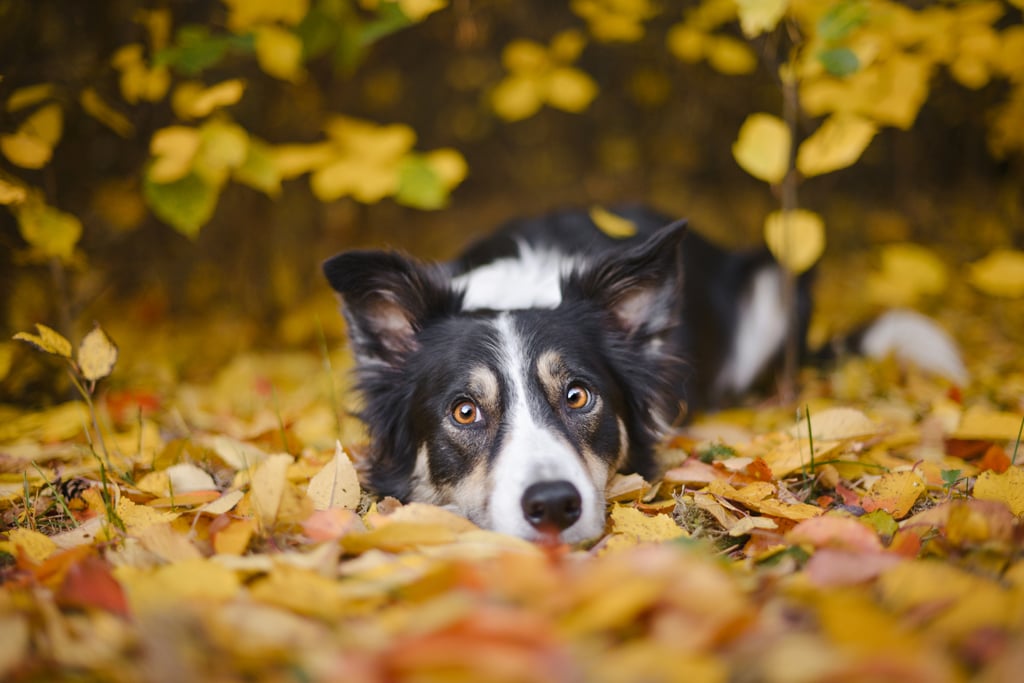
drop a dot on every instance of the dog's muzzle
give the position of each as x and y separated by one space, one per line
552 505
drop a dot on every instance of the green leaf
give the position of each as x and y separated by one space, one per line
52 232
318 30
839 61
882 522
420 186
841 19
196 50
185 204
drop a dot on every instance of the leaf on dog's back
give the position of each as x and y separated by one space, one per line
336 485
612 224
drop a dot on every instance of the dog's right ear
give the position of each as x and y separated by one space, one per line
388 298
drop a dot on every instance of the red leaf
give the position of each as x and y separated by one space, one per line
89 584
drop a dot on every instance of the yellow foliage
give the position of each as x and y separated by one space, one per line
31 145
245 14
29 96
174 149
34 545
796 238
1001 273
336 484
615 20
837 143
762 147
50 231
97 107
138 81
540 75
96 354
279 53
48 340
760 16
729 56
193 100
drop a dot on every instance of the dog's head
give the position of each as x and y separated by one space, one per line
516 418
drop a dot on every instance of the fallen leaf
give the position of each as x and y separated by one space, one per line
90 584
36 547
1001 273
832 531
835 423
1007 488
612 224
629 521
894 492
990 425
337 484
830 567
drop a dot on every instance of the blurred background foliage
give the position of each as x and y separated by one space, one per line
168 162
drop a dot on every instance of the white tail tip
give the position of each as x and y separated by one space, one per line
914 338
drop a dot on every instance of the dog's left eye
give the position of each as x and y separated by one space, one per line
466 413
577 397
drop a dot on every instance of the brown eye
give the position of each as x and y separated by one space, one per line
577 397
465 413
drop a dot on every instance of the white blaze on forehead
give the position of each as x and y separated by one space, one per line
531 280
533 452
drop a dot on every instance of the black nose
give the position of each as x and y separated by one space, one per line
552 504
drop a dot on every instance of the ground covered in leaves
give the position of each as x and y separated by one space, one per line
166 530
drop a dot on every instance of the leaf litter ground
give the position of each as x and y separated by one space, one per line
216 530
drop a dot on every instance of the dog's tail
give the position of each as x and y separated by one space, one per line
909 337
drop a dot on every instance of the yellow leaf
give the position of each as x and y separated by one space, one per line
243 14
988 425
367 183
336 485
795 454
267 488
234 538
96 107
137 517
1007 487
517 97
294 160
760 497
760 16
796 238
567 46
1001 273
686 43
525 56
25 150
96 354
836 423
279 53
418 10
54 233
36 546
398 536
423 513
895 492
175 149
729 56
762 147
837 143
31 146
908 272
449 164
201 580
192 100
629 521
29 95
11 192
223 146
612 224
570 89
6 359
300 590
139 82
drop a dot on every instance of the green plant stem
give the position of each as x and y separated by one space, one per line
1016 446
789 201
92 414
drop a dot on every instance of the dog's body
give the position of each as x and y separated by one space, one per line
513 382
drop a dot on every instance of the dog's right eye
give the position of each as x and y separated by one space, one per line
466 413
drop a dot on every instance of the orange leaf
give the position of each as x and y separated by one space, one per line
89 583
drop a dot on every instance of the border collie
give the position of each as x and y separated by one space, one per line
511 383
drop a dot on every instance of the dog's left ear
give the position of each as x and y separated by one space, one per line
641 287
388 298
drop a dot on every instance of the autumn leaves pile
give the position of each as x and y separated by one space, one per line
220 531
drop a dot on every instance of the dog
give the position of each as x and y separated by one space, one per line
511 383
